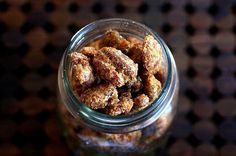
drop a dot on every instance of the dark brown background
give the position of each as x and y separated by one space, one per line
200 33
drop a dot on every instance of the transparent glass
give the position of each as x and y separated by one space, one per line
89 132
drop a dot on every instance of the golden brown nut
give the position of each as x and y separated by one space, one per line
99 96
112 65
122 63
137 85
106 70
123 106
134 40
118 70
136 53
128 137
96 44
113 110
89 51
152 55
82 72
160 75
114 39
141 101
152 87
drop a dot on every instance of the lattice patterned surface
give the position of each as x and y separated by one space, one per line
200 33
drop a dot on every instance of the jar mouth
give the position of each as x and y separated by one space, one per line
122 123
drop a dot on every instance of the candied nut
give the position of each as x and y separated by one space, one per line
82 72
126 102
107 71
141 101
99 96
152 87
122 63
136 53
96 44
114 39
112 65
160 75
152 54
113 68
113 110
138 85
128 137
123 106
134 40
89 51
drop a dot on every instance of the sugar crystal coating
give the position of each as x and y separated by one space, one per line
82 71
118 75
152 87
114 39
152 54
99 96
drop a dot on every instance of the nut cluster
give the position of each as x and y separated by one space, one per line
117 75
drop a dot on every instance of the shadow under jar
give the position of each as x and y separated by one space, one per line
89 132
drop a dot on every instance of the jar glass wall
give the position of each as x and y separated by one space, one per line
89 132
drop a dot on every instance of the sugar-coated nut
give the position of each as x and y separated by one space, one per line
126 102
141 101
122 63
160 75
115 67
117 75
99 96
82 72
114 39
106 70
128 137
89 51
115 62
152 87
113 110
96 44
123 106
136 53
134 40
137 85
152 54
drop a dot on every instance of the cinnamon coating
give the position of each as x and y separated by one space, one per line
152 55
99 96
114 39
118 75
136 53
82 71
89 51
152 87
115 67
123 106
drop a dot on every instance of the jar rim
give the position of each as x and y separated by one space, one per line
120 123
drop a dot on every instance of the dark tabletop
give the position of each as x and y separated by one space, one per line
200 33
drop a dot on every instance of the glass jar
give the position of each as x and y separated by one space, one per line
89 132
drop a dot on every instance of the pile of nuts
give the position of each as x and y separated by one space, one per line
117 75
